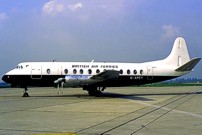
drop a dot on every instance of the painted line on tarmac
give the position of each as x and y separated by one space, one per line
172 110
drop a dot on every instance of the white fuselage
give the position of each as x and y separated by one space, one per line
45 73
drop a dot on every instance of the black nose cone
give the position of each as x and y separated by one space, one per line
6 78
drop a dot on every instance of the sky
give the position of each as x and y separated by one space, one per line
102 30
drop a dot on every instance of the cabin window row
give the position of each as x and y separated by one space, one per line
134 72
81 71
75 71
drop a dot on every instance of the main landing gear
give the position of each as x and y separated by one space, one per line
96 91
25 94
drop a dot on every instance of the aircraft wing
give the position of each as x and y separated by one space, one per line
189 65
80 82
107 74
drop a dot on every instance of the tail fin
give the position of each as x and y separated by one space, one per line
179 54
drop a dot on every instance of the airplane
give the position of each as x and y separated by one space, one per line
96 76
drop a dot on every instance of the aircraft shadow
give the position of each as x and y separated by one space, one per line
141 97
105 95
125 96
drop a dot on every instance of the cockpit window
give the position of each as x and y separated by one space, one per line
19 67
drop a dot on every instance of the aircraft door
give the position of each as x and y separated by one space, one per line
36 72
150 72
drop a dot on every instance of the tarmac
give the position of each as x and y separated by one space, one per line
120 111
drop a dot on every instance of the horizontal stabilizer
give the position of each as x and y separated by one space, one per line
107 74
189 65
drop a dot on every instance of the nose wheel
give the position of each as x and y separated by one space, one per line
25 94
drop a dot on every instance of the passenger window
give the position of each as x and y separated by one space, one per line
97 71
89 71
66 71
48 71
135 72
74 71
121 71
128 71
141 71
81 71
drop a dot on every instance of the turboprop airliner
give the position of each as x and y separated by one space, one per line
96 76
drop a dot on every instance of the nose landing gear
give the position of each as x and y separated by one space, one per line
25 94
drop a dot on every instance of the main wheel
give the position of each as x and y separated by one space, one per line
91 93
96 93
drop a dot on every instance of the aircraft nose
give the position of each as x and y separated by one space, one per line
6 78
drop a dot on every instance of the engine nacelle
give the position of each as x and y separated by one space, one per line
59 80
75 81
77 77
